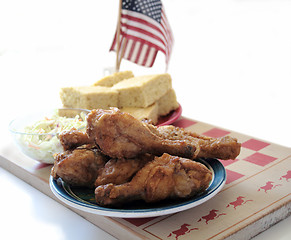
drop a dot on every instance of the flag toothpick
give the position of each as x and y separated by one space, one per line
142 31
118 58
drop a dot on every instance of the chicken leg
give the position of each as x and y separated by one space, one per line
120 135
164 177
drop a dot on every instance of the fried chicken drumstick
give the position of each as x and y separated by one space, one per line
223 148
86 166
125 159
164 177
73 138
79 167
120 171
120 135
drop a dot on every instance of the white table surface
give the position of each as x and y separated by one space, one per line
231 67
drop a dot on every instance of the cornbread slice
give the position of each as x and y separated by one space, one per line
114 78
150 113
142 91
89 97
167 103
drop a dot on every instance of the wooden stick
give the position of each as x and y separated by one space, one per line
117 62
122 52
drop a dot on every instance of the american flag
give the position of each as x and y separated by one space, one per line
144 30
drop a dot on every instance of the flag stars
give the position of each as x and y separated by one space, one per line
141 36
150 8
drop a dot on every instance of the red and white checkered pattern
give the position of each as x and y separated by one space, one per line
258 183
255 185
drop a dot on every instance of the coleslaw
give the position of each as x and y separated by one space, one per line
41 139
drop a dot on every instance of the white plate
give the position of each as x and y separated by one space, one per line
83 199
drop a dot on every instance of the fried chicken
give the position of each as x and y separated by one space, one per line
120 171
223 148
86 166
73 138
126 159
78 167
120 135
164 177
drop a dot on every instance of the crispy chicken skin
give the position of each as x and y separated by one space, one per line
120 171
119 135
125 159
164 177
73 138
86 166
223 148
78 167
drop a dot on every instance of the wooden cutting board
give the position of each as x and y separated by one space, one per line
257 193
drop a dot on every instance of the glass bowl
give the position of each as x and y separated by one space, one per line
37 134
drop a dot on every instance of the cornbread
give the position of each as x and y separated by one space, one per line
167 103
89 97
150 113
114 78
144 97
142 91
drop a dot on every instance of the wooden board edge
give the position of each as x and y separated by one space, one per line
117 229
262 224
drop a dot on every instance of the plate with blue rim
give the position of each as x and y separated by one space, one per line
84 198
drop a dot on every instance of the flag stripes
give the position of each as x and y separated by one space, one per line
141 37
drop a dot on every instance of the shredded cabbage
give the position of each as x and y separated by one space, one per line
41 140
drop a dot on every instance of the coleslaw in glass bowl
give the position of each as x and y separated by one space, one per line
37 134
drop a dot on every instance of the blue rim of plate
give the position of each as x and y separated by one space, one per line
67 195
